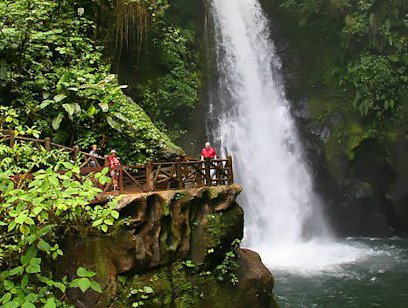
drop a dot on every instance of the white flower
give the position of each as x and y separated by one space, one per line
81 11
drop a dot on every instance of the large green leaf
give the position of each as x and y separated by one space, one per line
82 272
12 304
96 287
8 285
15 271
72 108
112 123
91 110
44 246
45 103
82 283
34 266
21 218
60 97
104 106
30 254
56 122
50 303
28 305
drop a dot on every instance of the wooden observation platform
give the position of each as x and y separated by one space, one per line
152 176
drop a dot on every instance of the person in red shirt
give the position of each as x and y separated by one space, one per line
113 163
208 152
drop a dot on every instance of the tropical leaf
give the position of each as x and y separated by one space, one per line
56 122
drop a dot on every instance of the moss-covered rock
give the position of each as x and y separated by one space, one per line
180 286
170 242
154 289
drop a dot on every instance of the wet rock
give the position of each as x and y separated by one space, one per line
255 281
155 233
179 286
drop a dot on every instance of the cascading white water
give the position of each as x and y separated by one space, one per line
283 219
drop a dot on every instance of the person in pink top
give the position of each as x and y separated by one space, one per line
208 152
113 163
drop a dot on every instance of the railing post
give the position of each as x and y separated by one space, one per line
121 179
230 170
208 172
47 143
149 175
12 138
106 163
179 175
218 173
199 178
76 151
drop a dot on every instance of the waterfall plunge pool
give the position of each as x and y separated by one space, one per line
376 277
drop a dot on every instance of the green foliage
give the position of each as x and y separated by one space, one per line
85 282
103 217
371 66
139 296
8 117
189 264
226 270
373 39
35 214
54 77
123 24
25 158
380 85
179 196
167 98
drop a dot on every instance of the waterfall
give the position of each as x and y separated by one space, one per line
253 122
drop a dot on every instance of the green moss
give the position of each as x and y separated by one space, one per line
182 287
186 294
179 196
224 223
166 207
158 280
119 198
213 192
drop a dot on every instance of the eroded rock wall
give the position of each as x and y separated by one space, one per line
171 242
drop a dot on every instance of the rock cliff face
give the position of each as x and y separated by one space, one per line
363 181
171 249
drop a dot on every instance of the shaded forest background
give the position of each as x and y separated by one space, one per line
346 71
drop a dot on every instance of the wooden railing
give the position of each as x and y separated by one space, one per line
191 174
86 158
152 176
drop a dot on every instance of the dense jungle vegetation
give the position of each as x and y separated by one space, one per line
35 215
55 73
57 80
371 62
347 59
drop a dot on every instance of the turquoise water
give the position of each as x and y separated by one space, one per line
378 280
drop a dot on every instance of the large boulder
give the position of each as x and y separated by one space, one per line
158 231
180 286
255 282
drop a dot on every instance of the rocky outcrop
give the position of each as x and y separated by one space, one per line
173 242
176 286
